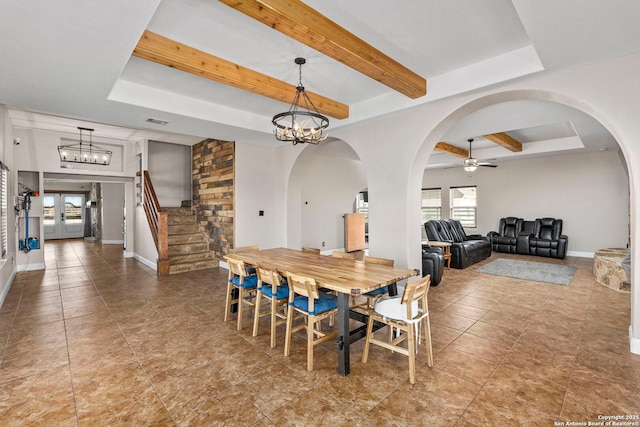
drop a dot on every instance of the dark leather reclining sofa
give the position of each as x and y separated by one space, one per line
542 237
465 249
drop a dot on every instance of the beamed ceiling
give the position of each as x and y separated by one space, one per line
223 68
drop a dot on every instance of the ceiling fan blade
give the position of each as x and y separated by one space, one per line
488 165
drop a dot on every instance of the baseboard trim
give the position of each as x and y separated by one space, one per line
633 342
7 286
30 267
113 242
581 254
150 264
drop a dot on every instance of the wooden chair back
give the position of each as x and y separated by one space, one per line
269 276
243 249
311 250
416 291
305 286
343 255
378 261
236 267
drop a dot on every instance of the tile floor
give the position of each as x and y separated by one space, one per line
99 340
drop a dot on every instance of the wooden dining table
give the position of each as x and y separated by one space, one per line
348 278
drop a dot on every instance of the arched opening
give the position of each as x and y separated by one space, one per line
585 166
569 165
322 187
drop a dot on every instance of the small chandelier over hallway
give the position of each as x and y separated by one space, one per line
302 123
84 153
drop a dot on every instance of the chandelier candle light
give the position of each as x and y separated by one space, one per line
84 153
302 123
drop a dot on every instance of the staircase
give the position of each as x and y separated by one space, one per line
188 246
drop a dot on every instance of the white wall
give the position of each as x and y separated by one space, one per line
170 172
260 185
589 192
112 213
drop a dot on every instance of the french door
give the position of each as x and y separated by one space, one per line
63 216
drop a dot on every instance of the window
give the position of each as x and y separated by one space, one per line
463 205
362 204
3 209
431 204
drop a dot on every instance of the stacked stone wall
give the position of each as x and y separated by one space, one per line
213 192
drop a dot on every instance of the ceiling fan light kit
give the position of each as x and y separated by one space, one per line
470 164
302 123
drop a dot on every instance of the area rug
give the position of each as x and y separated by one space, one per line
536 271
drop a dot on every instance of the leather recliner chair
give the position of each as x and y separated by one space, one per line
547 238
506 238
433 264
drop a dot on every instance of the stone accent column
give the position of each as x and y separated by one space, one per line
608 271
213 192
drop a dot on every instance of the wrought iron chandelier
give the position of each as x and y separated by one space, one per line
84 153
302 124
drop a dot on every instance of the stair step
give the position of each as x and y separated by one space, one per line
190 248
177 211
181 219
183 229
181 239
197 257
194 266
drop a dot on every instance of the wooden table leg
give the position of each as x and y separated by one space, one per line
343 334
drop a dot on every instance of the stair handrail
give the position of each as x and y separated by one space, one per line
158 223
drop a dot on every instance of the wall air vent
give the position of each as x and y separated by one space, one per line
157 121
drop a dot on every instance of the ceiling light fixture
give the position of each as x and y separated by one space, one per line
84 153
470 164
302 123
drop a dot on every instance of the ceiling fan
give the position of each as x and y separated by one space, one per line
470 164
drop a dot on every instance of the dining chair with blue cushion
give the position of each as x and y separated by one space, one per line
409 314
313 306
246 285
276 293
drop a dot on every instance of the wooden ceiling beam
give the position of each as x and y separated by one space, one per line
505 141
164 51
443 147
304 24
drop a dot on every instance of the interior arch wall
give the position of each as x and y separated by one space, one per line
616 129
323 184
399 176
395 148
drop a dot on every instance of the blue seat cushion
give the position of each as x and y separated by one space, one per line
376 292
249 282
281 293
326 302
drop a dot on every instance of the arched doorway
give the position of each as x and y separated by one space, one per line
448 124
322 186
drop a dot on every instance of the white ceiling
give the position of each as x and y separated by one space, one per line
72 61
